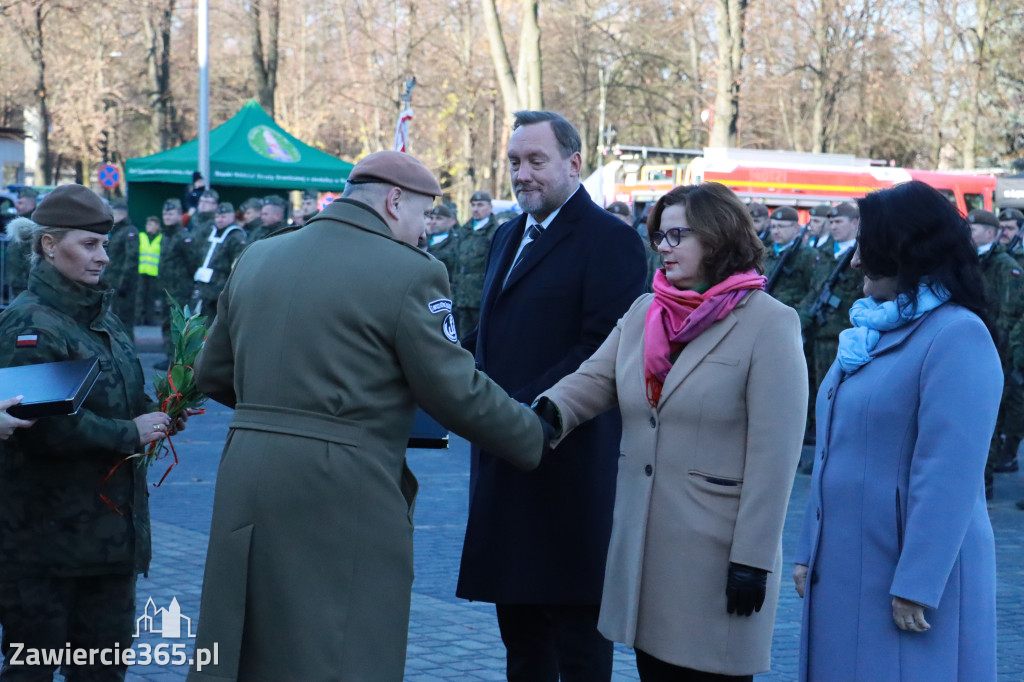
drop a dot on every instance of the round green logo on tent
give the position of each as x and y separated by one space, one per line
271 144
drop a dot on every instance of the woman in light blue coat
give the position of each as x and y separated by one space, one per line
896 563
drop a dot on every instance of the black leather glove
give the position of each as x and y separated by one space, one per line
745 589
550 420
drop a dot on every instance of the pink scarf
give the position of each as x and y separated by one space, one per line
676 317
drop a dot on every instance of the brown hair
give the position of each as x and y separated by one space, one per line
722 224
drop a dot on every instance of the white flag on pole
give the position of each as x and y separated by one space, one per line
402 130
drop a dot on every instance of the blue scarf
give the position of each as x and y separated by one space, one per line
870 318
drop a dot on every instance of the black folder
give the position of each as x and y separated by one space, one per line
50 389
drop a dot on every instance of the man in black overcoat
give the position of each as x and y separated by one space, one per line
558 277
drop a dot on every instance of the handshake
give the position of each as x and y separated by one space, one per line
550 420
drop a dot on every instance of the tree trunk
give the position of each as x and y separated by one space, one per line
499 56
529 74
265 66
729 19
157 26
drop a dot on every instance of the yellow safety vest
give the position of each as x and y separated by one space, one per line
149 254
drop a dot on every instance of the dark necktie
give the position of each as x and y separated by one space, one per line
533 232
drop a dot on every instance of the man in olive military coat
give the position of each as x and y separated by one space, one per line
309 570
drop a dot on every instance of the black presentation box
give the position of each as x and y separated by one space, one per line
50 389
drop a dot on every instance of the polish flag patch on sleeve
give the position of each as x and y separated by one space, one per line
27 340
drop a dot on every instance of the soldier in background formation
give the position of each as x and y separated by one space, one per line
818 235
122 272
441 238
272 217
149 302
251 220
1010 221
1003 289
202 221
19 247
222 248
178 263
761 216
790 279
471 249
307 209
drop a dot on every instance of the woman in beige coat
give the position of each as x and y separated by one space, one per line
710 378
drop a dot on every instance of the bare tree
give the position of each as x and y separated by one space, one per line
157 26
265 63
729 25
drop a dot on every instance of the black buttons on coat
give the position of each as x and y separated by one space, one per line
649 470
830 391
654 423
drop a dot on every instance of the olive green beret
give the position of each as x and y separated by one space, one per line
75 207
975 217
844 210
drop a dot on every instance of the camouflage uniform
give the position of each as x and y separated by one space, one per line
68 560
17 263
442 246
848 288
1003 288
178 263
253 227
122 272
471 252
223 259
261 231
201 225
794 281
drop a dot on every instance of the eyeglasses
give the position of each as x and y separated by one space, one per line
674 236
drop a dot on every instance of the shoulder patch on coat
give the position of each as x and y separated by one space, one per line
441 304
449 328
27 341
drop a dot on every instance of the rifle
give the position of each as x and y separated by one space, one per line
1015 242
825 299
784 259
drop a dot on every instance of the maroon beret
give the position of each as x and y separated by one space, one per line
396 168
75 207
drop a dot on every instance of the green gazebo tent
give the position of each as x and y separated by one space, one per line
249 155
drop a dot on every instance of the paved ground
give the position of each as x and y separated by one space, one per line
450 639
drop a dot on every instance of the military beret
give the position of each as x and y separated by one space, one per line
442 211
27 193
251 202
75 207
396 168
275 200
172 205
210 194
975 217
119 205
1011 214
787 213
821 211
758 210
844 210
619 208
225 207
480 195
309 194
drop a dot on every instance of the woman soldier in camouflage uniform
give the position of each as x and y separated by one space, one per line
68 558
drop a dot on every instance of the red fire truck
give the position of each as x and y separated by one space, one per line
779 178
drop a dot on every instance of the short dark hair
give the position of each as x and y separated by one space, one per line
722 224
912 232
568 137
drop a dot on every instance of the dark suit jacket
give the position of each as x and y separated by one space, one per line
542 537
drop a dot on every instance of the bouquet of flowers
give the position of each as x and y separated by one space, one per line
176 391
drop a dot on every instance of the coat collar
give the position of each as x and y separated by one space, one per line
569 216
895 337
354 213
82 302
